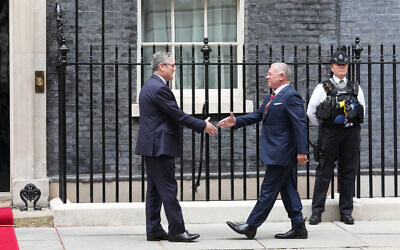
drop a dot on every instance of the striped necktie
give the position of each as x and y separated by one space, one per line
268 103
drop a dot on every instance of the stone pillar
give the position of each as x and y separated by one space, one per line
27 108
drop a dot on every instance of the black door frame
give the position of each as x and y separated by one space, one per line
4 98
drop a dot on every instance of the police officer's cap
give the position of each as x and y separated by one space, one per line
339 57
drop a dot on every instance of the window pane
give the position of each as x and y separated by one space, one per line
187 71
156 21
225 69
199 82
189 20
221 18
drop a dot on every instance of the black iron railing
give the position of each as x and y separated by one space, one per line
227 157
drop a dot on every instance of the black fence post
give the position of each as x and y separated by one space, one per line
382 110
206 56
61 70
357 48
395 122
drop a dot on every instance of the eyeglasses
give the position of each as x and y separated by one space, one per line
172 65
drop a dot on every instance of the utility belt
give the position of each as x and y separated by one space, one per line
339 126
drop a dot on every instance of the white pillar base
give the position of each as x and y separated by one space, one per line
19 184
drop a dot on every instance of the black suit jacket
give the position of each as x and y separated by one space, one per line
161 120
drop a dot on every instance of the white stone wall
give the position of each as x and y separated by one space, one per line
27 109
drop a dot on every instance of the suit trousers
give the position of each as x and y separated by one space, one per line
162 189
343 145
277 179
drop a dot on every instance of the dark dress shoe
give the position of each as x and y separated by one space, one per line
299 232
347 219
183 237
244 228
315 219
161 235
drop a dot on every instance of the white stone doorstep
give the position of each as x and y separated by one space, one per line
130 214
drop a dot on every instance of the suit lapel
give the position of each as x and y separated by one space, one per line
275 100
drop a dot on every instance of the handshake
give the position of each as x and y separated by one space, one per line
227 122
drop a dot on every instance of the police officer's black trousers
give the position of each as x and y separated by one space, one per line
342 144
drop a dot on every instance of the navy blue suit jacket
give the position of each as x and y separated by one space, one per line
284 130
161 120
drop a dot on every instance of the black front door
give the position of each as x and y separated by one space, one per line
4 99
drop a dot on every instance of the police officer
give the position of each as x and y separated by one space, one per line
337 107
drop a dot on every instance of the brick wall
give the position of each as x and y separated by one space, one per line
376 23
267 23
120 30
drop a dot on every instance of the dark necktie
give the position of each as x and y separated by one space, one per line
167 83
341 84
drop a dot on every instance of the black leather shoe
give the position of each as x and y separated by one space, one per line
244 228
299 232
162 235
315 219
183 237
347 219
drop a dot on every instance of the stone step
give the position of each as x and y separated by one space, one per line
31 218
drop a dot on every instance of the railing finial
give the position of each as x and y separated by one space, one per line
62 43
357 48
206 50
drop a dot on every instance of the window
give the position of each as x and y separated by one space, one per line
170 24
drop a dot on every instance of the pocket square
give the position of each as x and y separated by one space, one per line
278 103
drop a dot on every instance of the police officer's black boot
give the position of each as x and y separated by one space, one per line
347 219
315 219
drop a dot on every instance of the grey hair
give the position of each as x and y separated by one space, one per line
283 68
160 57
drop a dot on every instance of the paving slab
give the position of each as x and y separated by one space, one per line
38 238
391 241
93 231
326 235
109 242
323 235
364 227
39 245
36 234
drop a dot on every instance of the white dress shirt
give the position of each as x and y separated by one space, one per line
319 95
276 91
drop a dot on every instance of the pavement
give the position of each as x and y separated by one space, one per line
326 235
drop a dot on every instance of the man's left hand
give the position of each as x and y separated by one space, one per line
302 159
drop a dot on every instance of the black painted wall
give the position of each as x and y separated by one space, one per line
4 100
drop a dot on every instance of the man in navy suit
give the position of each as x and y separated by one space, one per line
283 144
159 141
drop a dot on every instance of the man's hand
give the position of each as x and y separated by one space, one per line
228 122
210 129
302 159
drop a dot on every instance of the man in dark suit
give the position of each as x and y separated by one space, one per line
283 144
159 141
